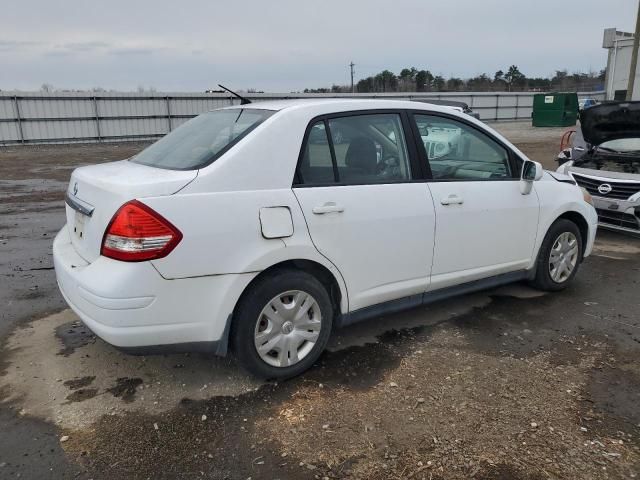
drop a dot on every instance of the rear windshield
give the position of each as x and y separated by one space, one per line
201 140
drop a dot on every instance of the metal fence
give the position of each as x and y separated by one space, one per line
28 118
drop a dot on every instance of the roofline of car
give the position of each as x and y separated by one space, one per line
268 105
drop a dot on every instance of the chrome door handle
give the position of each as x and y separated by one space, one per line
329 207
452 199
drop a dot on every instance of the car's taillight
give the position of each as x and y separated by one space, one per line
137 232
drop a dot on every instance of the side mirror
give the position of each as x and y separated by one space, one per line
531 172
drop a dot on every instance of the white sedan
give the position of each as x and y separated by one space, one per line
251 228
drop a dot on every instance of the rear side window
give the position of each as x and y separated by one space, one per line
201 140
316 166
358 149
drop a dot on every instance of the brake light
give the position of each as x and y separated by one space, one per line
137 232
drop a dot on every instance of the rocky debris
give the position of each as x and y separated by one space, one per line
467 422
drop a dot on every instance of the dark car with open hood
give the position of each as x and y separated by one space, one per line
461 107
604 158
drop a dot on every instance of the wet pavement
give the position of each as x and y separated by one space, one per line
508 383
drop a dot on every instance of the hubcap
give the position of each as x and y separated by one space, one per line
564 257
287 328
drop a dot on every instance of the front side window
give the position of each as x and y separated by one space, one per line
456 151
202 139
358 149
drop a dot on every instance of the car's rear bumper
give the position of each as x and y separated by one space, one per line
130 305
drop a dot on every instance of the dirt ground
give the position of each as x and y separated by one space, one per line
508 384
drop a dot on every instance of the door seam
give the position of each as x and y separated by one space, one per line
346 288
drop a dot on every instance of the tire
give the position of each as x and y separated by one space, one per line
558 239
273 313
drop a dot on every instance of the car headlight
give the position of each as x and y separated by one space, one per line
587 196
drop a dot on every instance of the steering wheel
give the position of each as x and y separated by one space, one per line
389 167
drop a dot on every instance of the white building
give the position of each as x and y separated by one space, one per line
619 45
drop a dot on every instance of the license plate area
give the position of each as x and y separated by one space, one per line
79 224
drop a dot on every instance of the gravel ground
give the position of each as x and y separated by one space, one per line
504 384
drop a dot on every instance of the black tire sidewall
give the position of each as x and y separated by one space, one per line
543 278
249 308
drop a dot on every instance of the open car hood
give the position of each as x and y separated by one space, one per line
610 121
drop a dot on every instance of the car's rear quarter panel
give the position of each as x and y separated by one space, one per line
221 231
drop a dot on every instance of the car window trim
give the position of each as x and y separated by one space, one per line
417 173
418 147
511 155
332 151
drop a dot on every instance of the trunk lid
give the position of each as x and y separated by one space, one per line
610 121
100 190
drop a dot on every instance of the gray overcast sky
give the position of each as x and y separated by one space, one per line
286 45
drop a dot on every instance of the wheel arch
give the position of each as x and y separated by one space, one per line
571 214
319 271
581 223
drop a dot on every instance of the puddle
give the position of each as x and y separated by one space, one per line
79 382
51 358
370 331
82 394
73 335
610 405
513 327
125 388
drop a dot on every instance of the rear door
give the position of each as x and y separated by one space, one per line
484 225
365 210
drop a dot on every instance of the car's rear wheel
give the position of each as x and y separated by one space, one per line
559 257
282 324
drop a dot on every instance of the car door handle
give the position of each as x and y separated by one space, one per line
452 199
329 207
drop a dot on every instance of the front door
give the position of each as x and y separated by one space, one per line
363 211
484 225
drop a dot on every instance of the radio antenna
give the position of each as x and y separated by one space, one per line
243 100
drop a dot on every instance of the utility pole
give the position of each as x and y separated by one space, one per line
634 58
351 65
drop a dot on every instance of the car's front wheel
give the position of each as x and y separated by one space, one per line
559 257
282 324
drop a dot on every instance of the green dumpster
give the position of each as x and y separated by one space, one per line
555 109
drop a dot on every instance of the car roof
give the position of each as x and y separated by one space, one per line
319 106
